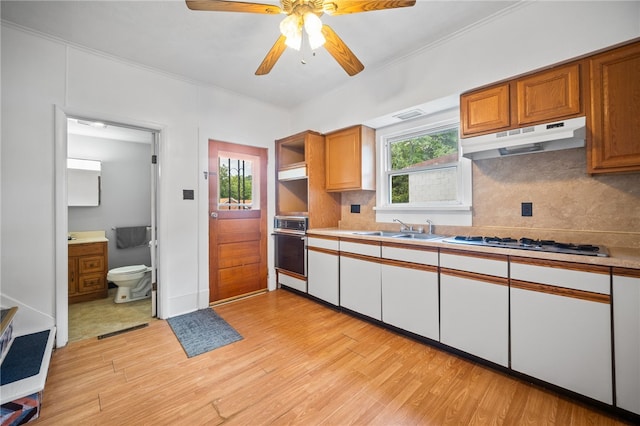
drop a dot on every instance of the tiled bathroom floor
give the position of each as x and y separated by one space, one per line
97 317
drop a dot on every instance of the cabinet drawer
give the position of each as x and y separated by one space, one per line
475 262
86 249
93 264
91 282
364 249
425 257
590 278
323 243
293 282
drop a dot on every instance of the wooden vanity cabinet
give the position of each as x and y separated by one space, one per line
351 156
87 271
544 96
614 145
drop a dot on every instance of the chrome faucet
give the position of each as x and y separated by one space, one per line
404 227
430 226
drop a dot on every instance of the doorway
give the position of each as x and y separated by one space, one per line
118 206
237 220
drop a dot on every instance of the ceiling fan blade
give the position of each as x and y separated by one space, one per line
232 6
340 52
272 56
343 7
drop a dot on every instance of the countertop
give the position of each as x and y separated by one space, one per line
621 257
84 237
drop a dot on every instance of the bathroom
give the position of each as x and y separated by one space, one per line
124 200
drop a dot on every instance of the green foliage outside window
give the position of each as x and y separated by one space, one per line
235 183
410 152
419 153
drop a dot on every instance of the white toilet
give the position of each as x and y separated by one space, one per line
134 282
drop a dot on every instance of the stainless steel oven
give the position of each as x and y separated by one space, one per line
289 242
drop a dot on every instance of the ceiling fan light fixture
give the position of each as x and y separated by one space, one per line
291 28
313 27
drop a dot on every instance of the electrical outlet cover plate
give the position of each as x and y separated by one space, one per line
527 209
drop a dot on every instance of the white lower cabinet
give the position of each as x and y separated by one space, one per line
323 269
626 331
360 288
474 304
410 290
561 325
291 281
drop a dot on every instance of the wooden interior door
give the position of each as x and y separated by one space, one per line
237 220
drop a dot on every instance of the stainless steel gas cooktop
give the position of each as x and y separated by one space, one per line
548 246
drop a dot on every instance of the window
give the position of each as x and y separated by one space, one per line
235 182
423 166
420 173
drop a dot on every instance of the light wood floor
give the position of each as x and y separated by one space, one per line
299 363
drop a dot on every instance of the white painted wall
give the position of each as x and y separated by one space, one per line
532 35
38 74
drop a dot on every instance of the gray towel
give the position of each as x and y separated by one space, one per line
131 236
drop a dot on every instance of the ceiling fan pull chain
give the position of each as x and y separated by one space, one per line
303 47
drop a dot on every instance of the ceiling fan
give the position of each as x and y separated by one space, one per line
305 14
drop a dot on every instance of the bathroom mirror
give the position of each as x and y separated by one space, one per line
83 182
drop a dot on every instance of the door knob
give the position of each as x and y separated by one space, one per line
214 215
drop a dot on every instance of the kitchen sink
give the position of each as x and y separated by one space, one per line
421 236
381 233
392 234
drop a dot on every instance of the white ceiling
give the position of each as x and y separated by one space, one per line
224 49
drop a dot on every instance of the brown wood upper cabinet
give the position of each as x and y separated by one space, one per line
614 145
549 95
350 154
544 96
485 110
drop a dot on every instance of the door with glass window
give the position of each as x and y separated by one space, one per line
237 220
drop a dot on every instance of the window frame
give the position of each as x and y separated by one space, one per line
457 213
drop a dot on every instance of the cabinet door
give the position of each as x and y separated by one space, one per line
73 275
323 276
561 325
615 107
360 288
350 155
626 331
562 340
485 110
549 95
474 316
410 299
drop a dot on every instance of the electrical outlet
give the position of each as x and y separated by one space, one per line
527 209
355 208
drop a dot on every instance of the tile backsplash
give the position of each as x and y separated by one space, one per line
568 204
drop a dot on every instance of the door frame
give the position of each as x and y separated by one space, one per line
61 216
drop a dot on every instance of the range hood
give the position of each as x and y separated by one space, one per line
563 134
